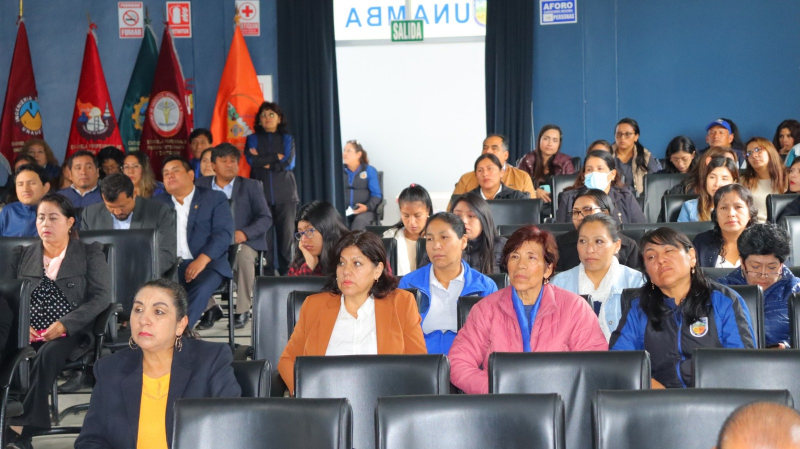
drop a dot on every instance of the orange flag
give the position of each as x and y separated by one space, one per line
238 99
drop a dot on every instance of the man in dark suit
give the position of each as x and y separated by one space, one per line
84 172
252 218
204 231
122 209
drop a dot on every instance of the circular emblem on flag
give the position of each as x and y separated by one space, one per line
166 114
27 115
699 328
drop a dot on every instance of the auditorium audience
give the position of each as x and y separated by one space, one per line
63 181
84 173
200 140
600 172
361 311
41 151
445 279
600 145
786 136
488 170
762 425
530 315
137 167
270 151
633 159
110 160
546 160
319 226
794 177
721 171
681 155
673 312
71 286
600 275
696 175
206 167
765 173
484 245
734 211
589 202
415 208
133 402
512 177
723 133
763 249
18 219
24 159
361 186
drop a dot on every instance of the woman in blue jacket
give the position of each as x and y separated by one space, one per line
763 249
362 188
444 280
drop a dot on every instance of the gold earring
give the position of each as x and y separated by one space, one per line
132 344
693 271
178 343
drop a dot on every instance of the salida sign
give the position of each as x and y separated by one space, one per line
406 30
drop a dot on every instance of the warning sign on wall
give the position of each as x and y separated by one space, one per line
131 20
179 17
249 17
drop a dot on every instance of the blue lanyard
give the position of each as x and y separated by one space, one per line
525 326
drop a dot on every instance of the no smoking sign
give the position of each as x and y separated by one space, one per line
131 24
249 17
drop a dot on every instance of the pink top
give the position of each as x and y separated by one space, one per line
51 266
565 322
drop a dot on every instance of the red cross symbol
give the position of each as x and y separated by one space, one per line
247 11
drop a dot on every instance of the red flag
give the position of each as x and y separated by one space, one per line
169 113
238 99
22 119
94 124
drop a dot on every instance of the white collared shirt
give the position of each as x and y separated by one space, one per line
122 224
500 189
354 336
227 190
84 193
182 221
442 313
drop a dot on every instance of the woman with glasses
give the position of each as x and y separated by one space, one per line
633 159
361 186
319 226
765 173
270 151
681 156
763 249
733 213
137 167
110 160
44 156
721 171
694 176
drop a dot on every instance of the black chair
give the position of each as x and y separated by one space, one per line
253 377
463 307
554 228
377 230
500 279
417 295
792 225
421 251
776 205
671 205
379 209
390 245
509 212
655 184
661 419
7 245
508 421
795 271
269 320
577 163
747 368
367 379
716 273
14 370
637 230
794 320
558 184
575 376
754 298
225 291
257 422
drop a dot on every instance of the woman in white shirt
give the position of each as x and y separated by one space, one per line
415 208
734 211
765 173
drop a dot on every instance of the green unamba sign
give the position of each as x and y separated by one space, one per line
406 30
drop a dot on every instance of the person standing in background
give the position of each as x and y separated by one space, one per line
362 187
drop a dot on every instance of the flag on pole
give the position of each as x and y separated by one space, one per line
134 108
238 99
21 118
169 112
94 124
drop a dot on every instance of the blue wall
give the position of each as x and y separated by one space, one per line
57 35
673 65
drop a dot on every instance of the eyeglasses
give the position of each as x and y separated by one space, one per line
678 160
756 150
761 274
586 211
268 114
131 166
625 135
308 233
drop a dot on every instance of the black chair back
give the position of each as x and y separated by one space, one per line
508 421
794 320
575 376
17 293
792 225
795 271
377 230
558 184
262 422
253 377
390 245
7 245
379 209
776 205
637 230
666 419
363 379
577 163
463 307
716 273
554 228
754 298
294 303
417 295
500 279
671 205
655 184
421 251
516 212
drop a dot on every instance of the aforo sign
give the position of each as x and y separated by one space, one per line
249 17
179 17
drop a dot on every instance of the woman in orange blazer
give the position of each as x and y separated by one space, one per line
361 312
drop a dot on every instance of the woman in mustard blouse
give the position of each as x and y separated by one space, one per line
132 401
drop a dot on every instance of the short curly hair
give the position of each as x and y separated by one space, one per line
764 239
372 247
531 234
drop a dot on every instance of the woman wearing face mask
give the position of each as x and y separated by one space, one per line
765 173
681 155
721 171
599 172
546 160
633 159
733 213
488 171
415 208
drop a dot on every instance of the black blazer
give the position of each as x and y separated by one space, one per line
628 210
251 214
568 252
200 370
507 193
707 249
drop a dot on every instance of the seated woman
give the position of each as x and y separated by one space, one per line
361 311
110 160
695 175
634 161
589 202
530 315
721 171
545 161
137 167
787 135
794 177
765 173
71 287
599 172
415 208
681 155
484 245
488 171
673 312
733 213
600 274
206 166
319 226
140 380
763 249
361 186
44 156
601 145
445 279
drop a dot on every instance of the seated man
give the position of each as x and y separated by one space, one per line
123 209
84 174
762 425
18 219
204 232
511 177
200 140
252 218
720 134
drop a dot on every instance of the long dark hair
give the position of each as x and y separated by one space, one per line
411 194
651 299
603 201
640 163
180 300
794 130
538 162
484 244
677 145
610 161
372 247
283 126
704 200
328 222
746 196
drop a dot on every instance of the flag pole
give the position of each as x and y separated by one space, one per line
20 8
